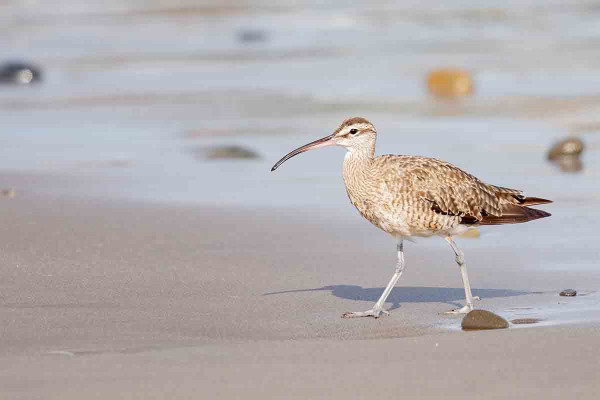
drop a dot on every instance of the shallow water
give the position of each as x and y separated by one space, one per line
126 82
541 309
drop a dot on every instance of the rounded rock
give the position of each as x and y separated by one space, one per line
568 293
251 35
231 152
449 83
483 319
19 73
567 147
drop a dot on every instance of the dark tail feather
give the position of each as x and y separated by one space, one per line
516 214
531 201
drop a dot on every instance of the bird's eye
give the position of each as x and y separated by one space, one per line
353 131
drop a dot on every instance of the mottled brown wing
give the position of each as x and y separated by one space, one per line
452 191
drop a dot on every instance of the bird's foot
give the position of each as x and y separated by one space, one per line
464 310
373 312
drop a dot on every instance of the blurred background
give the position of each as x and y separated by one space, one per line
139 216
193 101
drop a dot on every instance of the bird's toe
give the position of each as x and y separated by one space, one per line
464 310
375 313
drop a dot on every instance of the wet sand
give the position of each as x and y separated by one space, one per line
490 365
118 299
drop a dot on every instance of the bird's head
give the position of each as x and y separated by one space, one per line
354 134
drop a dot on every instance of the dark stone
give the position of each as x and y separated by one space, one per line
482 319
569 293
19 73
227 153
251 36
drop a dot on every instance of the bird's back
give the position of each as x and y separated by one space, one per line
435 196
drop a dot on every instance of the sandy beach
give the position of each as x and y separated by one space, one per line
106 299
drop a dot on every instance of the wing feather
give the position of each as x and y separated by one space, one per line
452 191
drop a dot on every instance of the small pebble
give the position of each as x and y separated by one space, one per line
567 147
226 153
19 73
569 293
450 83
483 319
251 36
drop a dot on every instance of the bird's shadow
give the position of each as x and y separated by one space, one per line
407 294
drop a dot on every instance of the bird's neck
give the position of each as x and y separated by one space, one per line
357 171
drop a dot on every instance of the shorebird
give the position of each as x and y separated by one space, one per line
415 196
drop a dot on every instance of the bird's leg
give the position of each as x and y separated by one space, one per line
377 309
460 260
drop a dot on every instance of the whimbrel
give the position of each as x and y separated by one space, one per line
414 196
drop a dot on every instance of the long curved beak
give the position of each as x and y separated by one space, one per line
323 142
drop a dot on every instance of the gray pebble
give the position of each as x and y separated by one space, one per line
232 152
569 293
251 35
19 73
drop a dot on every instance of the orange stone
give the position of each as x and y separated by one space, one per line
449 83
